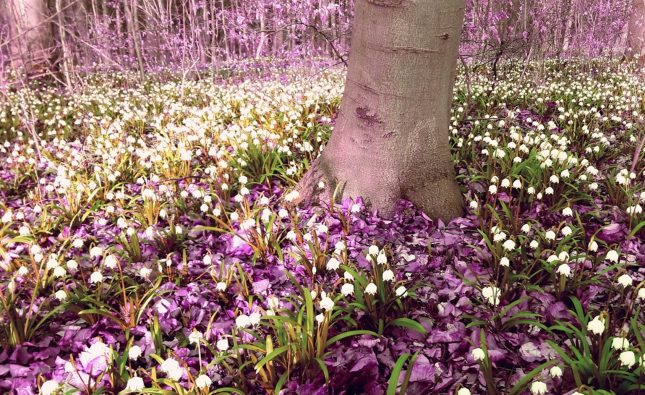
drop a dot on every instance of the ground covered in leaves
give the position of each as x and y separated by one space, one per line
148 243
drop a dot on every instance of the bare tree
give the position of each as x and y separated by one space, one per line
636 35
391 139
30 35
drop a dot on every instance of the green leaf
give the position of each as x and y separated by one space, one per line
271 356
521 385
345 335
393 382
410 324
323 368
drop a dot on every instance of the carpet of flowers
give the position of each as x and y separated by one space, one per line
149 244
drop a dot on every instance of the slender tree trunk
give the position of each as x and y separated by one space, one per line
636 37
30 35
391 139
131 16
66 60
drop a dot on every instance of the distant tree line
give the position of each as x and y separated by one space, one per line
61 38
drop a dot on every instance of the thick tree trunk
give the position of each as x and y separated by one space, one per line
636 37
391 139
30 35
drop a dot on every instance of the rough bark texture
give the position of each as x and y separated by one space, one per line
30 35
636 37
391 137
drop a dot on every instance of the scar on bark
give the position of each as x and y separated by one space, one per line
386 3
363 113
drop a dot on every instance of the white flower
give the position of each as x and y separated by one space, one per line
320 318
242 321
23 271
172 369
72 265
530 190
625 280
509 245
373 250
388 275
273 302
134 352
538 388
504 262
401 291
612 256
333 264
550 235
96 251
221 286
195 337
564 270
567 212
326 303
478 354
526 228
596 326
506 183
59 272
208 260
619 343
254 318
641 294
534 244
634 210
555 372
145 272
517 184
627 358
203 381
291 196
492 189
135 384
111 261
7 217
222 344
381 258
566 231
371 289
593 246
463 391
356 208
491 294
96 278
49 387
549 191
347 289
60 295
473 205
348 276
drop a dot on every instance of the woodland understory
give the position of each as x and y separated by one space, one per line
149 242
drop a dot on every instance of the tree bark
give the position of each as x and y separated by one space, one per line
66 54
636 37
391 138
30 35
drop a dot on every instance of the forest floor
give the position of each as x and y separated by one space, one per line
148 243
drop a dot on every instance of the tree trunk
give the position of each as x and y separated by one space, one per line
636 38
30 35
67 58
391 138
